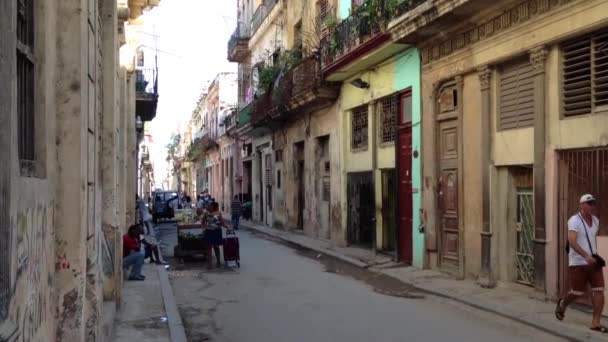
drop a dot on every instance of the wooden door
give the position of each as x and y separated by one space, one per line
448 192
404 169
389 210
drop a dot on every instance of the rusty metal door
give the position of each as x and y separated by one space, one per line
580 171
448 192
361 209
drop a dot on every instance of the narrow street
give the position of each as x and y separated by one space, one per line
285 294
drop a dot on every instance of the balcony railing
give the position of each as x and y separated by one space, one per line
367 22
261 13
146 81
237 45
300 88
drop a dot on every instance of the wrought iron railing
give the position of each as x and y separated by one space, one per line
240 33
367 20
146 80
304 76
261 13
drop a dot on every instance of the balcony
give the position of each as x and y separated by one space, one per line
301 90
238 45
204 139
245 115
362 40
260 14
146 93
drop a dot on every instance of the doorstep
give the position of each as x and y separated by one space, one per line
521 305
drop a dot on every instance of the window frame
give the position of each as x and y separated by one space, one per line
353 112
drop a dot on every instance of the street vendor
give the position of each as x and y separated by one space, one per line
213 223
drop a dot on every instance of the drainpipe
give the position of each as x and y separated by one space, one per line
538 57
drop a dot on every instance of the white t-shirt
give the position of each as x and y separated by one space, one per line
577 224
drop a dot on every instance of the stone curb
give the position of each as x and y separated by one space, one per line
174 320
552 328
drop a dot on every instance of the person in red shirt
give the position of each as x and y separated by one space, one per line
132 255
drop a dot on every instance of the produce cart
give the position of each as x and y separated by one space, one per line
190 243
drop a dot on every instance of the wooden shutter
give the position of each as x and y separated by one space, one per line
585 74
600 69
577 77
516 108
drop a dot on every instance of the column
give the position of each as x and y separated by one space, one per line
109 153
486 278
538 56
71 221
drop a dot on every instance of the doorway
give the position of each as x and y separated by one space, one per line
389 208
323 186
298 153
361 207
404 156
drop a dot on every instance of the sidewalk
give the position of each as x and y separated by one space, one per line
149 312
519 304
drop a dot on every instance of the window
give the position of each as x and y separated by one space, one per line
278 179
322 14
387 111
359 124
516 95
585 74
25 86
278 156
326 190
406 108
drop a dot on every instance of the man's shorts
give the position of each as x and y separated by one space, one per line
580 276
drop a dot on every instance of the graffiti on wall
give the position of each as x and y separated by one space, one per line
34 276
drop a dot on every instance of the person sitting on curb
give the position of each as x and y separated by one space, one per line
132 255
150 248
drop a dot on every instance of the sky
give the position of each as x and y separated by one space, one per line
191 37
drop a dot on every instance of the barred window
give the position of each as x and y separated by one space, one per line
386 109
585 74
359 125
25 86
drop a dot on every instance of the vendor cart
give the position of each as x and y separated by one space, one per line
190 242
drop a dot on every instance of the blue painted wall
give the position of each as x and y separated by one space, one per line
407 75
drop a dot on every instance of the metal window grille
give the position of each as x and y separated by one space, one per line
25 85
585 74
326 190
359 127
387 108
525 236
516 95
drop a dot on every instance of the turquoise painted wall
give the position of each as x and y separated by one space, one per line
344 8
407 75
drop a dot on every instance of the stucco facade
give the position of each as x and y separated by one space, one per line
499 164
65 204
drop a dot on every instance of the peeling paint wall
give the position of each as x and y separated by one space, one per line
61 229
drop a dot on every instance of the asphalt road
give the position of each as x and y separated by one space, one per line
283 294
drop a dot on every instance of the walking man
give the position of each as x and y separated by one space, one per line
236 212
585 266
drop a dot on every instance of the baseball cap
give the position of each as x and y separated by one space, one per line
587 198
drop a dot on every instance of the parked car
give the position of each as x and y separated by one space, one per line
162 206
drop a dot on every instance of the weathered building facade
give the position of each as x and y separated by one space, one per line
513 132
68 138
